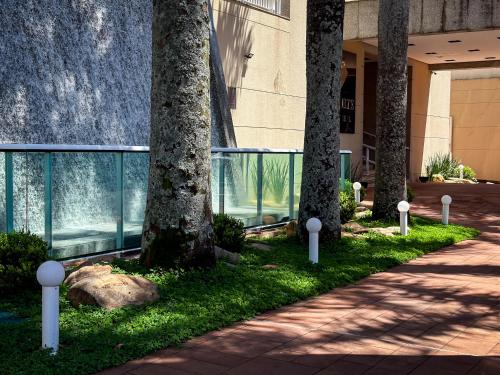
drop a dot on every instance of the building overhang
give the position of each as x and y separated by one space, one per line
426 17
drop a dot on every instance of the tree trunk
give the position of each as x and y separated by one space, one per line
178 221
392 83
321 169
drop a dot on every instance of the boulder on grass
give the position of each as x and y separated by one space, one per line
87 271
96 285
220 253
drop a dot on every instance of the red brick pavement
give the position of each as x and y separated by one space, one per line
438 314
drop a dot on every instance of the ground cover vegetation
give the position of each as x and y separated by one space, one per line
193 303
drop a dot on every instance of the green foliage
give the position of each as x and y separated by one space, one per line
276 174
469 173
410 194
20 255
442 164
347 206
347 186
193 303
229 232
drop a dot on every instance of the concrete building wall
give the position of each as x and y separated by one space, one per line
426 16
430 117
271 86
475 108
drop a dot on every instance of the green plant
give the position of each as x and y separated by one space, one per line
410 194
347 206
20 255
277 179
442 164
469 173
347 186
229 232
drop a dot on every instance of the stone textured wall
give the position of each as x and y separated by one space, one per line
75 71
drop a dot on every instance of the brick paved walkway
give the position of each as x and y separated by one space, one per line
438 314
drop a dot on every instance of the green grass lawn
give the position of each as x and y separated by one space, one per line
197 302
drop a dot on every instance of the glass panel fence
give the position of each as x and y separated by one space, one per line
91 199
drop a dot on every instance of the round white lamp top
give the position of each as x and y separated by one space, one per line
313 225
356 186
461 166
446 199
50 273
403 206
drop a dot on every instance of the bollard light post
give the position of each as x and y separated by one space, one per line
313 226
357 192
446 201
50 275
461 169
403 208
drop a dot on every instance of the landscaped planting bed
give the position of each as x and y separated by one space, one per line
193 303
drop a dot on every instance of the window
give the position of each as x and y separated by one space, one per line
279 7
231 97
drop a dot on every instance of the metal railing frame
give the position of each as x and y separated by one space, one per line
118 151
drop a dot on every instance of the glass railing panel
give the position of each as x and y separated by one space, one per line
241 181
217 176
28 189
3 208
84 205
345 168
135 185
276 171
298 160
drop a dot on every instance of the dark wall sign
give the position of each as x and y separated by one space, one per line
348 104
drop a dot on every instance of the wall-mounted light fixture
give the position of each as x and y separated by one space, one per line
249 55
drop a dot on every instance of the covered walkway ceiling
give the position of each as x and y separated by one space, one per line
454 50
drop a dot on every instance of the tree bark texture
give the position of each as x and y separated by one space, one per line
392 83
321 169
178 222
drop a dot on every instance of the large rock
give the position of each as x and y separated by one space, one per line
220 253
87 271
438 178
96 285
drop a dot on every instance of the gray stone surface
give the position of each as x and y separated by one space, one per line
75 71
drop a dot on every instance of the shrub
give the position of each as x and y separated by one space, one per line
347 206
20 255
469 173
442 164
410 195
229 232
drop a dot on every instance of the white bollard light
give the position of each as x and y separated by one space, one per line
50 275
403 208
357 192
313 226
461 169
446 201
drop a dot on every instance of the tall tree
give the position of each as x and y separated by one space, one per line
178 223
321 167
392 83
